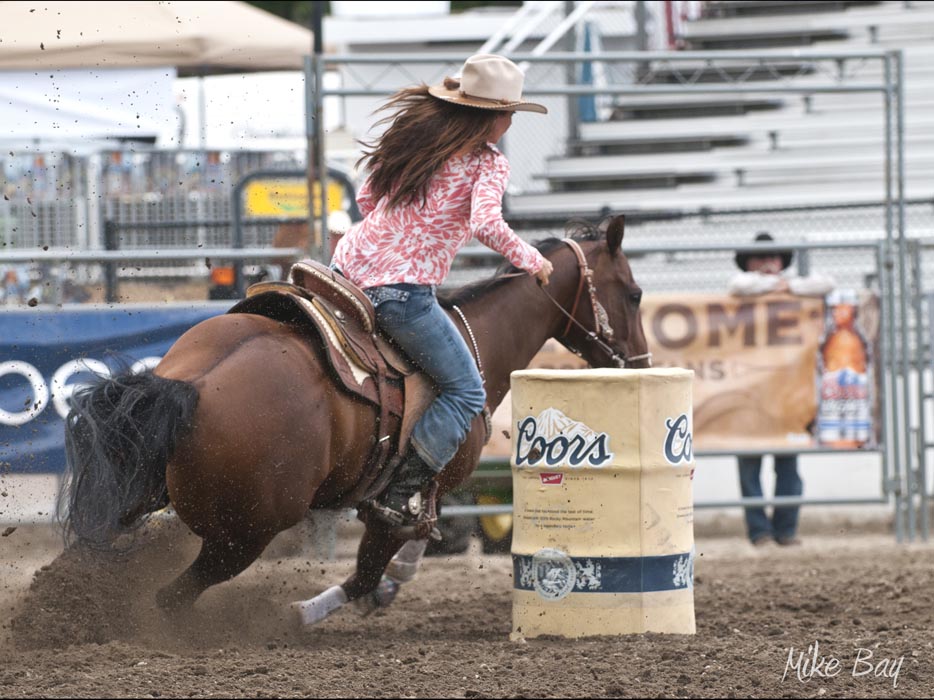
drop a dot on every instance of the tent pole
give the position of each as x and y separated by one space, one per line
318 245
202 114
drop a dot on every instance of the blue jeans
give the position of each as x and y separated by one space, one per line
784 521
411 316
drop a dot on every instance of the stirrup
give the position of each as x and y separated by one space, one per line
397 518
403 525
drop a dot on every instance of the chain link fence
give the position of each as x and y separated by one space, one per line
60 200
707 271
150 199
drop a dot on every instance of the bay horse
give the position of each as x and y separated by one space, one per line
242 429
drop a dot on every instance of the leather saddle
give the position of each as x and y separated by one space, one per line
362 362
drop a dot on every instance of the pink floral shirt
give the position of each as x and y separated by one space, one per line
416 245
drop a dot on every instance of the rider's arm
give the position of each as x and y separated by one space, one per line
753 283
486 215
816 285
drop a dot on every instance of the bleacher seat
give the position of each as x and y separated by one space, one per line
665 154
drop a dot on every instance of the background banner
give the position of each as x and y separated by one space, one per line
775 372
45 353
772 372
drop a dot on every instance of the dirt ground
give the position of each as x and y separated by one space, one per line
89 628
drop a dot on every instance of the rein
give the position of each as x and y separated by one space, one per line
600 336
604 331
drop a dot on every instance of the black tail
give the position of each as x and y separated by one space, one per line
119 435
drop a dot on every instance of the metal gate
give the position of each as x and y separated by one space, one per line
371 78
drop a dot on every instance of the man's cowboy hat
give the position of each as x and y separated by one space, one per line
487 81
742 256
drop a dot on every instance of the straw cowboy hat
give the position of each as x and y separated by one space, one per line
487 81
742 256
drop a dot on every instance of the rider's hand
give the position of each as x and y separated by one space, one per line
545 272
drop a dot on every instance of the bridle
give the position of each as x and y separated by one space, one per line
603 335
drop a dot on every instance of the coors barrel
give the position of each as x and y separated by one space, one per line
603 537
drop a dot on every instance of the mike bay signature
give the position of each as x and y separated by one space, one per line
805 665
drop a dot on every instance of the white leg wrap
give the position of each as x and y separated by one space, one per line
316 609
405 563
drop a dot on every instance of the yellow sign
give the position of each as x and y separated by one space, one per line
289 198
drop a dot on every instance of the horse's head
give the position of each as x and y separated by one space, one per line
603 322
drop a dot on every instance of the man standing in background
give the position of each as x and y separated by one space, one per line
762 273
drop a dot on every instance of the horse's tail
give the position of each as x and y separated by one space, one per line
119 435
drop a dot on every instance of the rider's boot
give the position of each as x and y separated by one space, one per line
403 496
402 501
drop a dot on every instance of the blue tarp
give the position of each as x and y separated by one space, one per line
37 343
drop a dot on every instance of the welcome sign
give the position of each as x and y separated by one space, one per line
755 363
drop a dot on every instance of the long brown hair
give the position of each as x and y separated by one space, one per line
423 133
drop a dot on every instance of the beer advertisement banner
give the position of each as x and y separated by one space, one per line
771 372
46 352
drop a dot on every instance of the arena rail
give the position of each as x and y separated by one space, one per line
904 470
899 482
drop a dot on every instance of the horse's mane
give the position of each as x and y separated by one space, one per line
578 229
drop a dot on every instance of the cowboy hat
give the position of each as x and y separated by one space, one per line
742 256
487 81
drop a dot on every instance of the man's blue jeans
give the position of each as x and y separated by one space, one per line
411 316
784 523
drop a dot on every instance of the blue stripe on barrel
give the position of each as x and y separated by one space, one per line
559 572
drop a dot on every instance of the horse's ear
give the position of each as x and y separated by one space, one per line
614 233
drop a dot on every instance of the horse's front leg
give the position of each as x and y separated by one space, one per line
401 569
376 549
379 548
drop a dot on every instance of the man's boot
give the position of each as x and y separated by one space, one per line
401 502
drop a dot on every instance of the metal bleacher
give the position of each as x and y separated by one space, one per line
661 154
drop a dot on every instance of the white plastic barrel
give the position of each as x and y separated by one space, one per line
603 534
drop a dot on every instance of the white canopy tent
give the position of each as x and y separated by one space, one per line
196 38
72 109
106 70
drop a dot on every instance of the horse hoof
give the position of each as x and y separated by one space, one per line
296 618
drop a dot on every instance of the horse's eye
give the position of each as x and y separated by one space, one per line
636 297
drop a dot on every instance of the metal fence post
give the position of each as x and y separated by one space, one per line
111 242
902 276
920 446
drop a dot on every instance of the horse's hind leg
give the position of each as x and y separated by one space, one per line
220 559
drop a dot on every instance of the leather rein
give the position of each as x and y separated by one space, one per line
600 336
603 334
